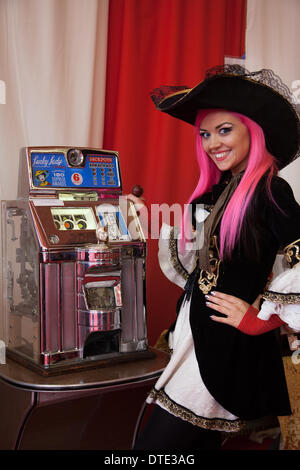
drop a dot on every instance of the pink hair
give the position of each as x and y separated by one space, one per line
259 162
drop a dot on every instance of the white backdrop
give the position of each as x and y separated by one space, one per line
53 62
272 41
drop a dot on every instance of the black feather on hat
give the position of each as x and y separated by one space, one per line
261 96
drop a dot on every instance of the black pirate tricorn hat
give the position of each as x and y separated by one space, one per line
259 95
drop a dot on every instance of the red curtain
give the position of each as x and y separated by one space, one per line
153 43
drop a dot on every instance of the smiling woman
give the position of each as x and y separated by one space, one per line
226 140
226 370
232 144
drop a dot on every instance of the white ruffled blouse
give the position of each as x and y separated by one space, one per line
180 389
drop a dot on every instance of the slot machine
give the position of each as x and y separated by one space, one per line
73 263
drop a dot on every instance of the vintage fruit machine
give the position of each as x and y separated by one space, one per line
73 263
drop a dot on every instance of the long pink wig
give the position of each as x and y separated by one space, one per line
259 162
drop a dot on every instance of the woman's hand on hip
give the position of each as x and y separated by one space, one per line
233 307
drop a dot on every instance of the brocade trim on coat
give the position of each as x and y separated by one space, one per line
212 424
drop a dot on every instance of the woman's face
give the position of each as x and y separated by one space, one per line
226 141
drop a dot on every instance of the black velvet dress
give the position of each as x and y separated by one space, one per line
245 373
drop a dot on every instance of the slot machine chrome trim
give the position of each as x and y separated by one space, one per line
57 339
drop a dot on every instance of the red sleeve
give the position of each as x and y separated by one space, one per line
251 325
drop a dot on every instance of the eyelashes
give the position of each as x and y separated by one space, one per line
222 131
204 135
225 130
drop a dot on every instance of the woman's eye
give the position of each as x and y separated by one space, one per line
225 130
204 135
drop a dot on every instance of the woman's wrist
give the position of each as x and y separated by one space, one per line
251 325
